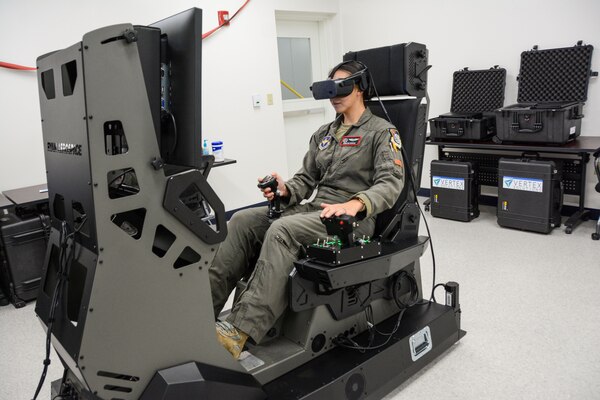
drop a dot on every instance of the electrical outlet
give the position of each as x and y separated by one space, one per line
269 99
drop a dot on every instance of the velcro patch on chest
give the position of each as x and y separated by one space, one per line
351 140
325 142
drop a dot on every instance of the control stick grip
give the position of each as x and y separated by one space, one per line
270 182
341 226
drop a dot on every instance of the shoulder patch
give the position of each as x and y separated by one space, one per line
395 137
396 147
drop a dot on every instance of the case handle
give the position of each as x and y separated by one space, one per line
528 155
576 112
453 128
537 125
31 284
26 237
525 130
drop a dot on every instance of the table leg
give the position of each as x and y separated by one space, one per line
582 214
575 219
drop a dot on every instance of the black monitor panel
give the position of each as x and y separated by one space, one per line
181 84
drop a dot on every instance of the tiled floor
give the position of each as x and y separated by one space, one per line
529 304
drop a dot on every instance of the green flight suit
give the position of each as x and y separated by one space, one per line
365 163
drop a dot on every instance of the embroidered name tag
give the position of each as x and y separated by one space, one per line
351 140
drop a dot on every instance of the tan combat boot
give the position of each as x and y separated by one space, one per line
231 338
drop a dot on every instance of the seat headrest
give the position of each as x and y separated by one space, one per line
400 69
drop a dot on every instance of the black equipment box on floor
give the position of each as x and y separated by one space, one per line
553 87
529 195
475 97
3 297
22 252
454 190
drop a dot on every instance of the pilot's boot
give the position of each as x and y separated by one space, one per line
231 338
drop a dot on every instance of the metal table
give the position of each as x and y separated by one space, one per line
486 155
4 202
29 195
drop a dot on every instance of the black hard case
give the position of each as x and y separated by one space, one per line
553 87
3 297
475 96
456 204
529 210
23 247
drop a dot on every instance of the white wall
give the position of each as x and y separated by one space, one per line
478 34
458 33
238 61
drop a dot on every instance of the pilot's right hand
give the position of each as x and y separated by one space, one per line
281 188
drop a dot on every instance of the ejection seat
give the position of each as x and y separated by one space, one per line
314 283
396 228
398 225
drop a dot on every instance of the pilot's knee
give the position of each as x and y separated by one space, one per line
279 227
243 219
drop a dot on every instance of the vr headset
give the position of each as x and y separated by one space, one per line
330 88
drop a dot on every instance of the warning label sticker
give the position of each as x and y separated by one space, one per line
525 184
448 183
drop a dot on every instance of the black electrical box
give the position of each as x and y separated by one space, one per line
335 255
22 252
529 194
3 297
475 96
553 87
454 190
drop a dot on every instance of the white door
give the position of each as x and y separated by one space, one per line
303 59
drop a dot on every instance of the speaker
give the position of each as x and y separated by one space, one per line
355 386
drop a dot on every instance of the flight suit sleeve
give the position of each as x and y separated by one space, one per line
388 179
302 184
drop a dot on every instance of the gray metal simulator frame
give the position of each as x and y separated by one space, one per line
125 292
